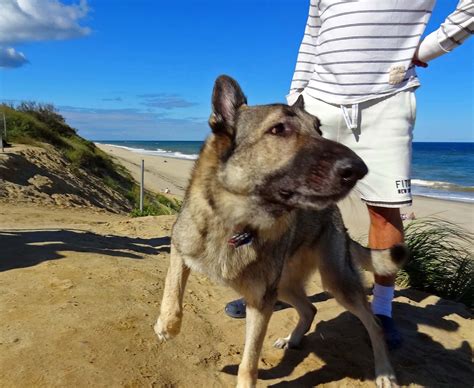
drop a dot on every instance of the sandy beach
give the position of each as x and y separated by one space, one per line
80 291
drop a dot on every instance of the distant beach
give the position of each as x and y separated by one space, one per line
440 170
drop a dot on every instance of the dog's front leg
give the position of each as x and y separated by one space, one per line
168 324
258 315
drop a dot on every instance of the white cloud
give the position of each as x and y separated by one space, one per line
165 101
37 20
11 58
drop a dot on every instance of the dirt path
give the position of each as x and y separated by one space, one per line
80 291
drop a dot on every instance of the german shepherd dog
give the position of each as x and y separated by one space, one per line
260 216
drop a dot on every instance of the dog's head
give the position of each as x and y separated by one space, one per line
276 154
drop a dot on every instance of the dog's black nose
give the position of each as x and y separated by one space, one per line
351 170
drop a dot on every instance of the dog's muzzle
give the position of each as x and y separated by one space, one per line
322 173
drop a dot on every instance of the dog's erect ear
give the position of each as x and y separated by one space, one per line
227 98
299 102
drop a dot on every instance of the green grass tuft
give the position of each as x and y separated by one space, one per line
157 205
441 262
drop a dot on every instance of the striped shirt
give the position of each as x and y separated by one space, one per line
354 51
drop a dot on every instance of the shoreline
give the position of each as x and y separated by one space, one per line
161 172
165 172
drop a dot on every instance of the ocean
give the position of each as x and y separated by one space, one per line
440 170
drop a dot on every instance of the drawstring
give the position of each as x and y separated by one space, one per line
351 122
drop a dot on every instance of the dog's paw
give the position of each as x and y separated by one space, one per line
386 381
246 378
166 330
281 343
284 343
163 335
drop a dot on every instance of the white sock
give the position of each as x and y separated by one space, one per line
382 300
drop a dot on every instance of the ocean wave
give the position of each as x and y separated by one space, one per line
442 190
458 197
158 152
440 185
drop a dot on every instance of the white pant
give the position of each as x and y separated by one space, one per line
380 131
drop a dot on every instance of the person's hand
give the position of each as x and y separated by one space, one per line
417 62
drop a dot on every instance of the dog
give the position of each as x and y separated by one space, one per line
260 216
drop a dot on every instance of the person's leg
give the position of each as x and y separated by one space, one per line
386 229
383 141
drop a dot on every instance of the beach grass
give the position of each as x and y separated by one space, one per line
441 261
157 205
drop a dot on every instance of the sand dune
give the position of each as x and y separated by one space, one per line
43 176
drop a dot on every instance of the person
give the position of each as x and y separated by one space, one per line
356 72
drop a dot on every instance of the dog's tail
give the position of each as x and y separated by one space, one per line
385 262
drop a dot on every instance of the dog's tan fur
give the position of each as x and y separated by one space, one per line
267 170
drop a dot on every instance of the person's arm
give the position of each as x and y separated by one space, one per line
305 62
456 29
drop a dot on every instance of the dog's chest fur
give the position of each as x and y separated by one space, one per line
205 247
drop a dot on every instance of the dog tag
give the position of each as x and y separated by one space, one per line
240 239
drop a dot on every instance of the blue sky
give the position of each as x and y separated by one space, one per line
144 69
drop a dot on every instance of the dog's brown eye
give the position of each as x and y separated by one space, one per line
279 130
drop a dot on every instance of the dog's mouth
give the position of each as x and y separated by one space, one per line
292 196
289 199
